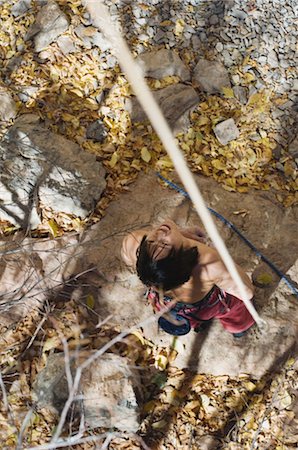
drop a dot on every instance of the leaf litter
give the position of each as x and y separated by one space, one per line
179 406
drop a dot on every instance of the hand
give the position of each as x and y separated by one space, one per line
195 233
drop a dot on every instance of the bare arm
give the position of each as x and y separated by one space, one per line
194 233
130 245
225 282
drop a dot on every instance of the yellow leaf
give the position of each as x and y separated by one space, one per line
77 92
161 362
165 23
205 400
179 27
113 161
164 163
219 165
194 404
228 92
199 136
242 189
90 301
145 154
264 279
286 400
251 424
149 406
54 74
170 395
290 362
250 386
248 77
139 336
136 164
10 229
160 424
51 343
202 120
53 226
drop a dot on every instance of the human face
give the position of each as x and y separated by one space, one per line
162 239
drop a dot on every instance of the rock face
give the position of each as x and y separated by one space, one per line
50 23
215 351
162 63
50 387
30 270
20 7
210 76
8 108
226 131
118 292
108 389
40 166
176 102
89 37
97 131
293 148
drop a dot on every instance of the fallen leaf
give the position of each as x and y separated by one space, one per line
90 302
145 154
54 228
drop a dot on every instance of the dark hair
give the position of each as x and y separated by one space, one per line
169 272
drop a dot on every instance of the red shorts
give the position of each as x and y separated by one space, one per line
217 304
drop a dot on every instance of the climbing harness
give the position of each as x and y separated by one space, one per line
235 229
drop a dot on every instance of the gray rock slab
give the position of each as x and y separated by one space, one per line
118 293
176 102
108 389
226 131
8 109
216 351
66 44
41 167
30 270
293 148
91 37
162 63
241 94
97 131
20 7
49 24
210 76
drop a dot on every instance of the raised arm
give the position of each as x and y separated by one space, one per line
194 233
225 281
130 245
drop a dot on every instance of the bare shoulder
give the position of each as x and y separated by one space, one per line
207 254
130 245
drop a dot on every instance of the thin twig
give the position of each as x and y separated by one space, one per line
23 428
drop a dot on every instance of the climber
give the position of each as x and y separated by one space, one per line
181 271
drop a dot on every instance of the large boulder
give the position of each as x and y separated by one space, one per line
118 293
50 23
8 109
109 391
176 102
38 166
162 63
211 76
215 351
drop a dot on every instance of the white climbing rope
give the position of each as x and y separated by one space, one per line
101 18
